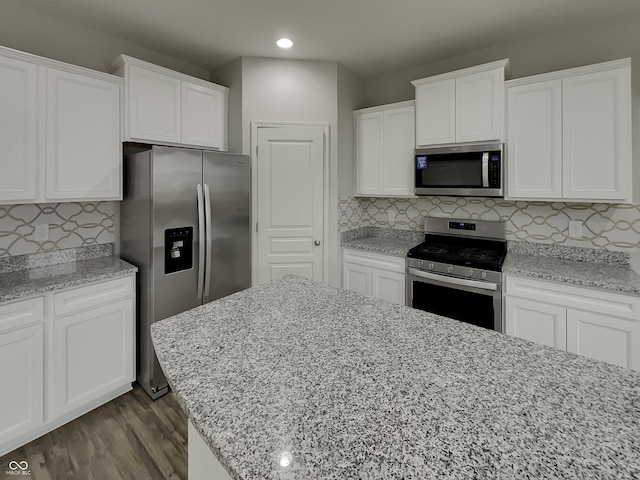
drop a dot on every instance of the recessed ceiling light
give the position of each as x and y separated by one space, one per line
284 43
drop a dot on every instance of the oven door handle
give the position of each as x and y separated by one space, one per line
463 282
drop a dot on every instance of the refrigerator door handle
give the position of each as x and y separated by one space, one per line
201 240
207 210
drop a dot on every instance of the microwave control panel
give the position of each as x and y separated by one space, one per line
494 170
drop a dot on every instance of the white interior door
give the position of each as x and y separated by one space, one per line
290 202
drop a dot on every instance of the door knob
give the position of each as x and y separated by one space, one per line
316 243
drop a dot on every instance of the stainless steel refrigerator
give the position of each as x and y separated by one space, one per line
185 225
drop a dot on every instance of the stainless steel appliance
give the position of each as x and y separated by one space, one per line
468 170
456 271
185 225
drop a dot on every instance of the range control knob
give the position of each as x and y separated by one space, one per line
483 275
430 266
469 273
449 269
420 264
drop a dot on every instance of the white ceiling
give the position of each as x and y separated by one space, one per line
367 36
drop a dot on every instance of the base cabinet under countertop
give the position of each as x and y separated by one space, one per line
381 276
594 323
63 354
22 380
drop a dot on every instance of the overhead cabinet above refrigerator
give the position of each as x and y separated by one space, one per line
168 107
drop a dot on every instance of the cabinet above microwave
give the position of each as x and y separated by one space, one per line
462 106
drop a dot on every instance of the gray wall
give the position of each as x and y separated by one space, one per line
350 98
29 30
230 75
540 54
291 91
280 90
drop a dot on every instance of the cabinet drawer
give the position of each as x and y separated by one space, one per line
375 260
600 301
21 313
92 295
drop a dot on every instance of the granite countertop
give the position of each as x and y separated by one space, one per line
388 241
34 281
351 387
585 267
577 266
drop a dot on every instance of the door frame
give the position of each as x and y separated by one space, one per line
254 191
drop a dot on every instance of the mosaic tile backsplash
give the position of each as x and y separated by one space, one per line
70 225
605 226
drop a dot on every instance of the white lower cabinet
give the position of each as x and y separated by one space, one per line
381 276
22 380
357 278
603 337
63 354
537 322
597 324
93 354
389 286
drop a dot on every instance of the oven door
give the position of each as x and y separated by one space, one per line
470 301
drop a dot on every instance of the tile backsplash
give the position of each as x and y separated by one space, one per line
605 226
70 225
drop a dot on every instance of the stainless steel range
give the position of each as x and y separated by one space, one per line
457 271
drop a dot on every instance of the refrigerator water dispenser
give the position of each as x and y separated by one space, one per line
178 249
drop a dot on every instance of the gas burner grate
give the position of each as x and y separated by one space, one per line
487 254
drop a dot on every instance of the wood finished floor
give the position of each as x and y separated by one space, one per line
131 437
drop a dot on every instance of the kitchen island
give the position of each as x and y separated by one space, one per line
299 380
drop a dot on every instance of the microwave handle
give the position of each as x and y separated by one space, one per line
485 169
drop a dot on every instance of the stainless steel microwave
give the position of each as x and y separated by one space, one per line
464 170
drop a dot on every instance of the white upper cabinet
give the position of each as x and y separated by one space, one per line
385 139
18 129
153 106
596 126
83 158
436 113
534 140
480 106
462 106
59 131
369 145
569 135
168 107
204 116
